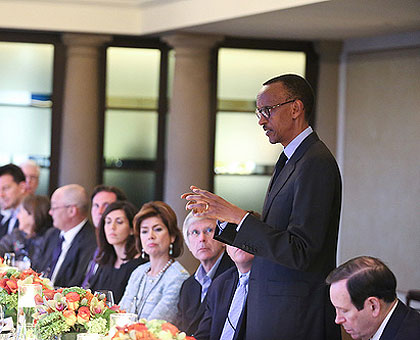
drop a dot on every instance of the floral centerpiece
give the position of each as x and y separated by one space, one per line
10 279
150 330
72 310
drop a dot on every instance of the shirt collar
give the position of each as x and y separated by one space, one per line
200 275
71 234
290 149
381 328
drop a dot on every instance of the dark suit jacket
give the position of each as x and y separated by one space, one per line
219 298
295 245
190 307
73 268
404 324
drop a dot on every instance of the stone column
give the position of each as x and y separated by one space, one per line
79 156
188 138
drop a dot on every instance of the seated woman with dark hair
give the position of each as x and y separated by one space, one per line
118 255
153 289
28 239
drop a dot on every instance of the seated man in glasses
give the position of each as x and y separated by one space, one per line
198 235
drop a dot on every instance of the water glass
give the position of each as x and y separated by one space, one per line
118 320
28 294
88 336
9 259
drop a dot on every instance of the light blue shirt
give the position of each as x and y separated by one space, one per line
154 298
205 279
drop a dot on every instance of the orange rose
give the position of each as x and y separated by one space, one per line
70 317
170 327
83 315
72 297
72 300
49 294
12 285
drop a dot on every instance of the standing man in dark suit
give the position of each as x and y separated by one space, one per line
363 294
71 243
224 313
295 241
198 235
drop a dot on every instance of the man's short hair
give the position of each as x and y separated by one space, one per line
297 88
75 194
109 188
14 171
366 276
31 163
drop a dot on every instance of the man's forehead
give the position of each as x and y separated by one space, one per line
272 91
104 196
201 224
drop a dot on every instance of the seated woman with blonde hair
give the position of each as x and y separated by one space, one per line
153 289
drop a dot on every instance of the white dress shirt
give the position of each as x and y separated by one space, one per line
381 328
68 240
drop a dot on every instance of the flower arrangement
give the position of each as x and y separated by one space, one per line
150 330
72 310
10 279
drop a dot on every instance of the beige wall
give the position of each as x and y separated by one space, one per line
381 196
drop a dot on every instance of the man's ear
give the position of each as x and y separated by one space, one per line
298 109
374 305
22 187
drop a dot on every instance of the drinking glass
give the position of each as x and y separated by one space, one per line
118 320
28 294
88 336
9 259
109 296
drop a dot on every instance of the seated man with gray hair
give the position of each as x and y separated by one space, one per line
363 292
69 246
32 171
198 235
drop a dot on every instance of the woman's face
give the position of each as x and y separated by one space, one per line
117 227
26 221
155 238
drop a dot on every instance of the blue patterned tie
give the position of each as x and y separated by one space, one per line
235 310
55 255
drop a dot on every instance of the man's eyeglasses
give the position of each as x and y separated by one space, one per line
266 110
196 233
61 207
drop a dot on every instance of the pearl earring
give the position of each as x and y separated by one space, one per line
171 249
143 254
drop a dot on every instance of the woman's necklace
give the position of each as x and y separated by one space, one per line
166 266
138 305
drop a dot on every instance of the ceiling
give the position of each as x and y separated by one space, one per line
331 20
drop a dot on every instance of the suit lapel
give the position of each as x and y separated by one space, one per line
226 297
394 322
287 172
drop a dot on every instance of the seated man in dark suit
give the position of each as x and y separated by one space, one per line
363 293
71 243
198 235
226 300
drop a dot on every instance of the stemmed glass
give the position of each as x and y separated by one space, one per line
109 296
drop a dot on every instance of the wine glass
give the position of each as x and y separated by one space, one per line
109 296
9 259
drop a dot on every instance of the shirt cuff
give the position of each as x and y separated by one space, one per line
242 221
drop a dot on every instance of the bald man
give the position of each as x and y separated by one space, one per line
71 243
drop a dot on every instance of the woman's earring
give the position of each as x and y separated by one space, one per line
171 249
143 254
